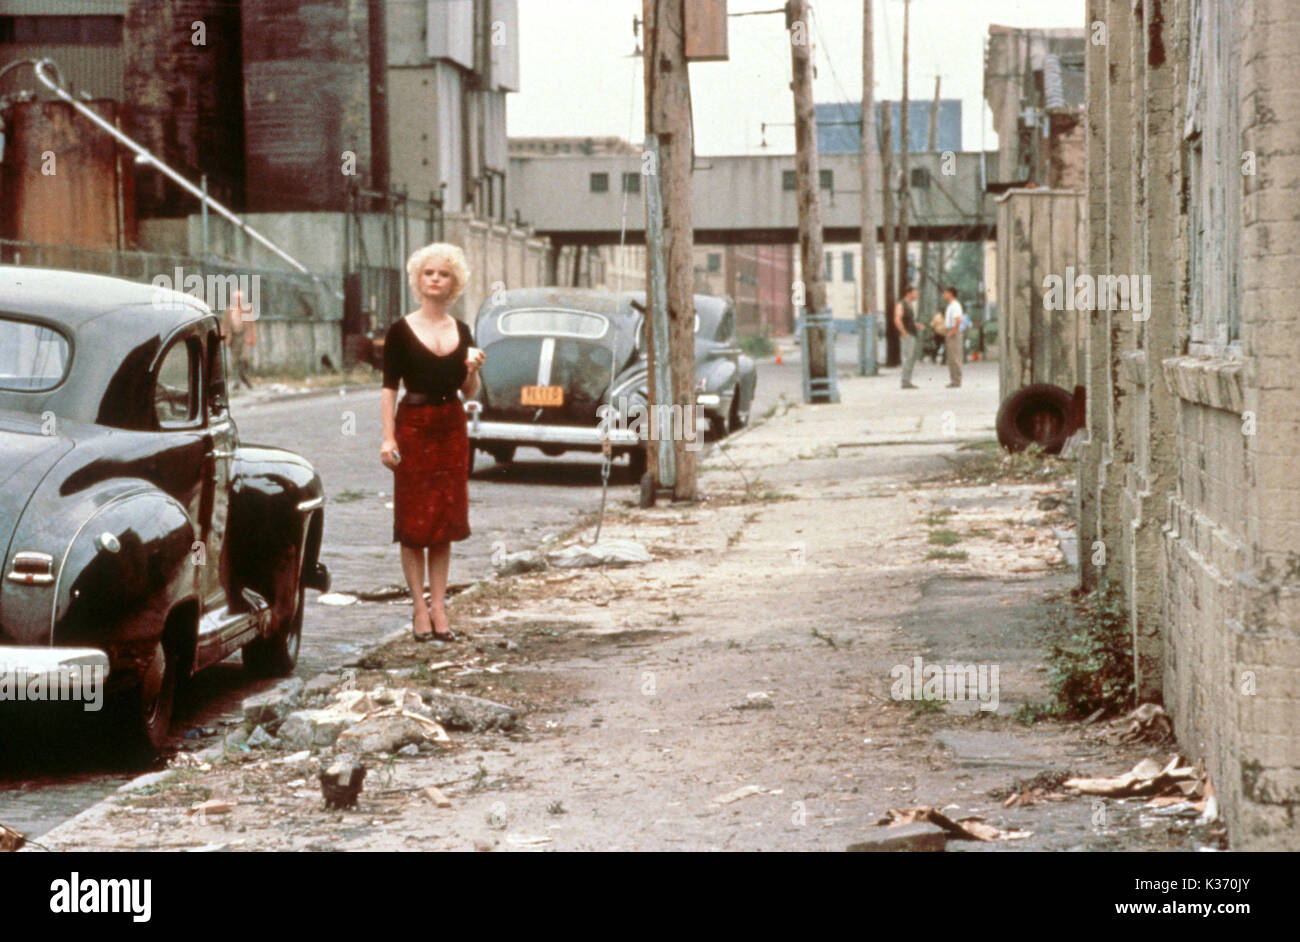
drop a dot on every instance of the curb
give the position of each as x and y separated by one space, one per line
304 394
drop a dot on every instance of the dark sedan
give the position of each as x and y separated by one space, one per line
141 541
566 368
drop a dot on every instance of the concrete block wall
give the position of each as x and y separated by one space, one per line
1193 415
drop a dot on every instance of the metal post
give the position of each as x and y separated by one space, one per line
658 313
203 185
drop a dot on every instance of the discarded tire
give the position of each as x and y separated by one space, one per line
1037 414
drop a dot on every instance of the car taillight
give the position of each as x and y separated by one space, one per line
32 568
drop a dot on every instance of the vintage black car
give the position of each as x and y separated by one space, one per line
138 535
562 361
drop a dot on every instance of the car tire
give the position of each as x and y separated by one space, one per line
735 420
1037 414
146 711
277 656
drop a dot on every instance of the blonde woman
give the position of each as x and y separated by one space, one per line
432 355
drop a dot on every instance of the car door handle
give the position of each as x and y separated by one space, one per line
219 453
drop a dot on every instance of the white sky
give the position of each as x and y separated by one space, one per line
576 78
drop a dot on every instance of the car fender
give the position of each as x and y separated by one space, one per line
276 514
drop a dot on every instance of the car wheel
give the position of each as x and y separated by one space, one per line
736 421
1037 414
503 455
277 656
147 708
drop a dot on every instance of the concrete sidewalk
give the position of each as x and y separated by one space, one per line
737 692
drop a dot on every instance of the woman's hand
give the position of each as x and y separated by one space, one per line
474 360
388 454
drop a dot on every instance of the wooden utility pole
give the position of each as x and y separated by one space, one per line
668 117
867 142
808 185
904 183
892 356
929 298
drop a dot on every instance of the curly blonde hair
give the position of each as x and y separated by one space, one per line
453 255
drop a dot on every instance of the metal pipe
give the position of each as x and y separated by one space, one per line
58 89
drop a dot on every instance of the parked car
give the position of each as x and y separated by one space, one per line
138 534
562 362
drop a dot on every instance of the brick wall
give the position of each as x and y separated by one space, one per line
1194 178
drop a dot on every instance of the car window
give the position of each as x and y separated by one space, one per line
175 397
32 358
549 321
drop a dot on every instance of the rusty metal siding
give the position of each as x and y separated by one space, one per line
64 182
306 102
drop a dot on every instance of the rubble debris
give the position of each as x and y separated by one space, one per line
259 739
1148 723
919 836
608 552
320 687
340 784
462 712
970 828
409 750
304 729
11 840
389 731
384 593
735 795
337 598
212 806
1045 786
435 795
515 563
1148 777
270 707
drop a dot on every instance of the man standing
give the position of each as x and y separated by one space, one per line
905 321
954 335
239 328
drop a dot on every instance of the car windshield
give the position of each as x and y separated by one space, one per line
32 357
551 321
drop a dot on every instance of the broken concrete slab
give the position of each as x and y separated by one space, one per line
270 707
920 836
304 729
459 711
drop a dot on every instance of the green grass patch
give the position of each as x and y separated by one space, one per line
944 537
1093 668
946 554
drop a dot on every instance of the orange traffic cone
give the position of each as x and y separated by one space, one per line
778 361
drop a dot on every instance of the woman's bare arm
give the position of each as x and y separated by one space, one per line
388 408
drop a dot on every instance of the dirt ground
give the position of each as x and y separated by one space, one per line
737 692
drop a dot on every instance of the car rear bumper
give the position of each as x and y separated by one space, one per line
575 436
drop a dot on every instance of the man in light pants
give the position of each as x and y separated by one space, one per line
954 336
905 321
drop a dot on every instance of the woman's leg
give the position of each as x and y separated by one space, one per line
439 564
413 569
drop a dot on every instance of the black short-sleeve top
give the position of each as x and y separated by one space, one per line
407 360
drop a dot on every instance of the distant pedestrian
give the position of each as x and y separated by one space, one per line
936 337
905 321
953 319
239 328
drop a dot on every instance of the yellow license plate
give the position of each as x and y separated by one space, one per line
542 396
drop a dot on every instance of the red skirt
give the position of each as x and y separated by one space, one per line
431 482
